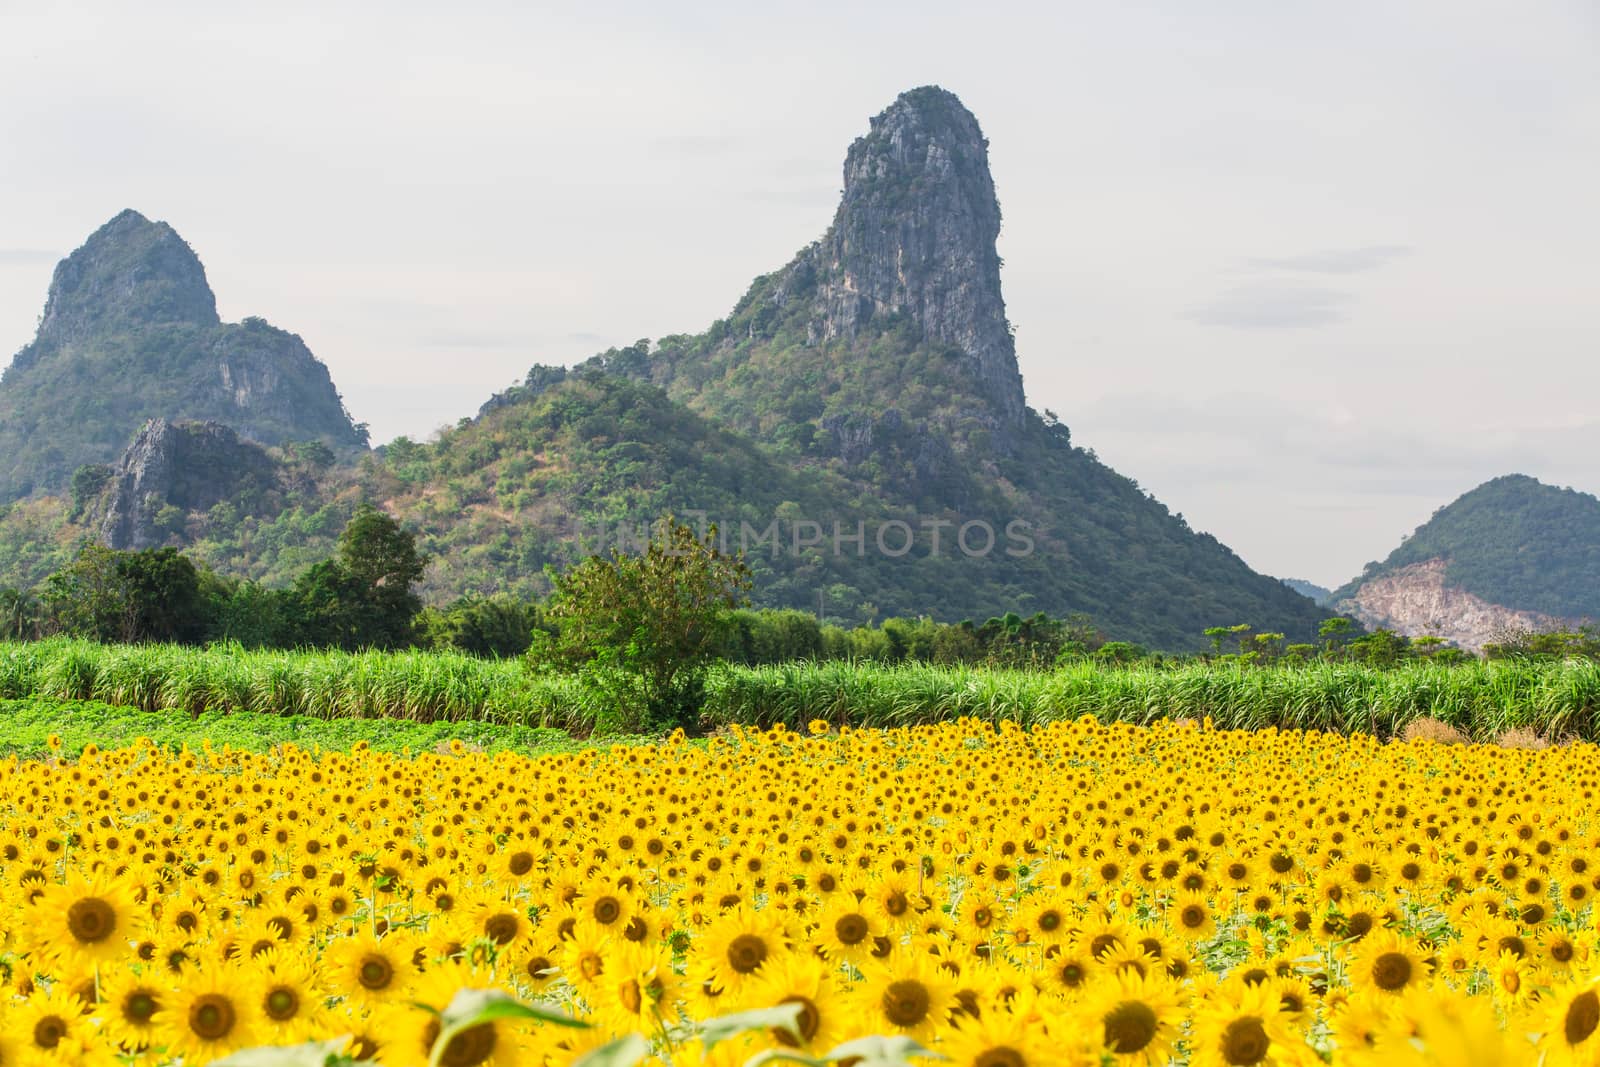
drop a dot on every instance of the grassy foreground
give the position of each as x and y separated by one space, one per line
31 726
1483 699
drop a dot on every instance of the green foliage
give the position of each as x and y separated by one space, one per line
30 723
365 598
485 700
104 595
643 629
499 626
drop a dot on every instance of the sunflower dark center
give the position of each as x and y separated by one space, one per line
1130 1026
212 1016
501 928
850 929
91 919
1583 1016
375 972
906 1003
1391 971
1245 1042
1000 1056
469 1048
48 1031
282 1003
746 952
607 910
139 1006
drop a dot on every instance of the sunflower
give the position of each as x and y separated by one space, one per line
368 969
638 988
581 958
288 998
906 993
415 1029
1569 1022
1511 977
1001 1039
50 1025
84 922
504 924
1387 962
736 946
1136 1017
845 931
1245 1029
813 985
130 1003
210 1014
1191 916
1045 919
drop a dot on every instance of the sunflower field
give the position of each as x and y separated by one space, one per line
980 894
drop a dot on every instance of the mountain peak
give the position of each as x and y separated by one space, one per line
915 236
131 271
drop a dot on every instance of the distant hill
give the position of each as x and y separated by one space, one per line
130 332
859 414
1309 589
1511 554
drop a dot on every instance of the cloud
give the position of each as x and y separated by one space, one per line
1272 307
1335 260
27 255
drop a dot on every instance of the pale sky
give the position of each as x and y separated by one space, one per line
1307 272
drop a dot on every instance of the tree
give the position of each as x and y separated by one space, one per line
105 595
162 588
644 628
19 615
87 597
364 598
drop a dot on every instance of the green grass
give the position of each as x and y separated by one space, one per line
1481 698
29 725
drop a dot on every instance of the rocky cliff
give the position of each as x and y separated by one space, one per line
915 236
171 469
130 332
1417 600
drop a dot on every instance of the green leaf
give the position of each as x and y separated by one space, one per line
876 1051
784 1016
475 1007
623 1052
310 1054
469 1007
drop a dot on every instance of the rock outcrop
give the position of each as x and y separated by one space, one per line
172 469
130 332
1417 600
915 235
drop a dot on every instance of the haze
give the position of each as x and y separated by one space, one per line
1306 276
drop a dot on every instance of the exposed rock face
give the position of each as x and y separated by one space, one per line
184 466
131 271
129 333
915 236
1416 600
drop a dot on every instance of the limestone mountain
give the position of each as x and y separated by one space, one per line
856 424
875 377
1512 554
130 332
